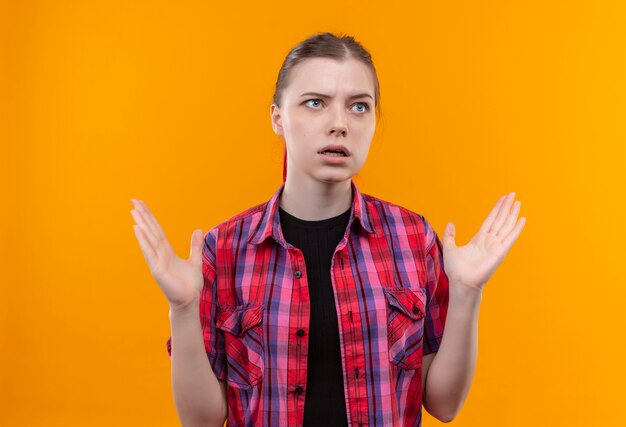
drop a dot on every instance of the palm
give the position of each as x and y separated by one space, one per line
177 277
180 279
473 264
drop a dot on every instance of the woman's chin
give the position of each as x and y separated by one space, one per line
334 178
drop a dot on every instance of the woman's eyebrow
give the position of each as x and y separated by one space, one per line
321 95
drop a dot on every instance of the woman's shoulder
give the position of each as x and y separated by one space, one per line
243 224
389 208
245 215
256 210
412 221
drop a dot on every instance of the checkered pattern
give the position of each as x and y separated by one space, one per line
391 295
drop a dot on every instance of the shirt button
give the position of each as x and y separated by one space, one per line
298 274
415 309
299 389
300 333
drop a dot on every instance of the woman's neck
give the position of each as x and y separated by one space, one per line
313 200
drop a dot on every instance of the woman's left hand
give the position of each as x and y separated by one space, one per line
470 266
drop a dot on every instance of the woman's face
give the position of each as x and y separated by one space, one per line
326 102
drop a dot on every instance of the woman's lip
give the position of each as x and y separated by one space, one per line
336 147
333 159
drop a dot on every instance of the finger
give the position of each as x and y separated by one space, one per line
148 252
492 215
151 220
510 220
148 233
145 217
195 252
502 214
448 235
510 238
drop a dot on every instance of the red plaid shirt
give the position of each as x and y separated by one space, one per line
391 296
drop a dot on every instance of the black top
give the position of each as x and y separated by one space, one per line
324 403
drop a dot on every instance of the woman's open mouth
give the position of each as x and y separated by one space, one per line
334 153
333 157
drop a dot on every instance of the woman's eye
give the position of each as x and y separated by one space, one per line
316 103
313 102
364 107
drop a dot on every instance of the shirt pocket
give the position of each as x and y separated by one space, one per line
243 340
405 326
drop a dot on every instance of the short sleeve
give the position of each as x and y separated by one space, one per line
437 291
213 338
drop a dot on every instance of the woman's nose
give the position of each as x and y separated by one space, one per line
339 124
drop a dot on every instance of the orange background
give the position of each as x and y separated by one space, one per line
103 101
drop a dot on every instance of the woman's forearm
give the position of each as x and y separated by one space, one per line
199 397
451 372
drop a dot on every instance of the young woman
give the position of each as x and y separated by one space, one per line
324 305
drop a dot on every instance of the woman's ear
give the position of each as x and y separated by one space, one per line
276 120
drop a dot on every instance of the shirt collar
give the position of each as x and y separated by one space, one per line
269 225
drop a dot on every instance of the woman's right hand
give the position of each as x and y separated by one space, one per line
180 280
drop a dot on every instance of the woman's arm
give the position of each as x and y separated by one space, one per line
448 373
200 398
468 268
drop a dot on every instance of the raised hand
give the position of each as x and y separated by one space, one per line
472 265
180 280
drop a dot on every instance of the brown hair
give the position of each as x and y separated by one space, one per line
323 45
